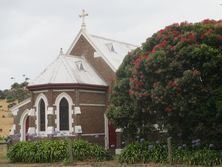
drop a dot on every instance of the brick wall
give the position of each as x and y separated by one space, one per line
92 119
91 103
18 116
83 48
92 98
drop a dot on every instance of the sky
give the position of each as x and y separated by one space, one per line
33 31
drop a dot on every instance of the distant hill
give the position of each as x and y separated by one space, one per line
8 98
17 93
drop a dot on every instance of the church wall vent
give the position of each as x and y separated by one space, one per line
110 47
79 65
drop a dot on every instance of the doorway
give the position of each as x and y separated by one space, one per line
24 126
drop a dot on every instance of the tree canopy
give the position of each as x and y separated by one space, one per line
172 84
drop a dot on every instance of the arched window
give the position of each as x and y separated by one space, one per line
42 115
64 114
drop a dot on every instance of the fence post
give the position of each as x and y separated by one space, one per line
70 158
118 141
169 146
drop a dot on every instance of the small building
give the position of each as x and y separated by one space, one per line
70 96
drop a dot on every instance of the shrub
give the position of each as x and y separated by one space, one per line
38 151
99 153
203 156
55 150
83 150
147 152
133 153
144 152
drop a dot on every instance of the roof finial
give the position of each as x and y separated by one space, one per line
61 51
83 15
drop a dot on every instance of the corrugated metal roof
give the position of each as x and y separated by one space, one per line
112 50
75 69
68 69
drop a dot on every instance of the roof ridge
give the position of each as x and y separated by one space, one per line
113 40
68 55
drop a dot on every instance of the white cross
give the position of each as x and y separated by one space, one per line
83 15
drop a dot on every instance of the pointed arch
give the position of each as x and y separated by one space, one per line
64 105
42 115
41 104
22 123
63 114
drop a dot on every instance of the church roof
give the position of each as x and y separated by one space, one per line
112 51
68 69
71 69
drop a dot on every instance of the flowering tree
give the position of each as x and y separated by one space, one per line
174 81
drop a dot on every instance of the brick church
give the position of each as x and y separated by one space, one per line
70 96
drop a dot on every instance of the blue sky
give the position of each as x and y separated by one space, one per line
33 31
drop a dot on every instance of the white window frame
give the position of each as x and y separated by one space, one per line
57 120
37 101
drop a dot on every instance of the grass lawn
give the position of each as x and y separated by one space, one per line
113 163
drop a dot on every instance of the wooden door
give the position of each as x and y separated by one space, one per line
26 127
112 136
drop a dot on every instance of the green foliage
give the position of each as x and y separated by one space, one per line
83 150
17 93
204 156
122 108
2 95
146 152
2 139
143 152
38 151
173 81
55 150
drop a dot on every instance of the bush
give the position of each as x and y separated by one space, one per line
144 152
157 153
173 80
55 150
38 151
83 150
203 156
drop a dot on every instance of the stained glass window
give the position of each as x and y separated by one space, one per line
42 115
64 114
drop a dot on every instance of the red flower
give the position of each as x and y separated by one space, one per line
207 21
163 43
171 84
192 37
172 47
206 33
168 109
220 38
